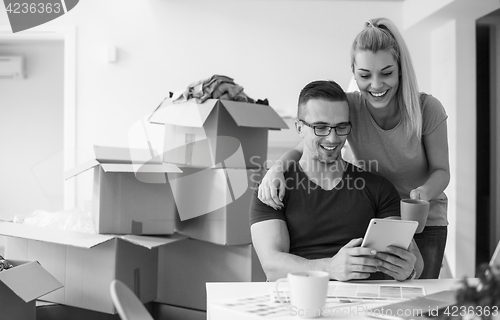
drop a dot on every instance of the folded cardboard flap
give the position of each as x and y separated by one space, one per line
213 189
220 212
254 115
192 114
78 239
119 159
152 242
108 154
29 280
187 114
52 235
144 168
87 165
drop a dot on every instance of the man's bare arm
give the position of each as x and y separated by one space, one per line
272 244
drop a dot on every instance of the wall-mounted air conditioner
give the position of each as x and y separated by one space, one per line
12 67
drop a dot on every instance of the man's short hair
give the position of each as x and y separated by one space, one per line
327 90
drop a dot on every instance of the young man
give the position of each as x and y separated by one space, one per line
328 204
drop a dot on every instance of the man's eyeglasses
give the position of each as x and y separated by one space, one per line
322 130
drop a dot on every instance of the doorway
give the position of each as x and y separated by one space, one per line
488 136
38 122
31 129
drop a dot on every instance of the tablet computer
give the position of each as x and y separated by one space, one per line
387 232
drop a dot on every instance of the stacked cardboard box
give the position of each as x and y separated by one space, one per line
187 265
54 311
221 148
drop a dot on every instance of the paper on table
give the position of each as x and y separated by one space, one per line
260 305
339 296
264 306
365 292
422 306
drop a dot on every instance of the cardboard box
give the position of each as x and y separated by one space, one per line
131 193
213 204
87 263
20 286
216 131
189 264
167 312
51 311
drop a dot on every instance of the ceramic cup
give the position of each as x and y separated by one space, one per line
415 210
308 290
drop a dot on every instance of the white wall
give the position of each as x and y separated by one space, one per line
415 11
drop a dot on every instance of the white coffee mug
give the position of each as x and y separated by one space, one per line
308 290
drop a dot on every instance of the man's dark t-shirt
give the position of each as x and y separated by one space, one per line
319 221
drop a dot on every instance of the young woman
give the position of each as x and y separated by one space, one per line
397 131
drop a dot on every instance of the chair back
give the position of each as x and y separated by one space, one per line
495 258
128 306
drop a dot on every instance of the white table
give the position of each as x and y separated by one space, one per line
217 291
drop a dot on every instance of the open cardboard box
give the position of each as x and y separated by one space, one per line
20 286
163 311
55 311
87 263
131 192
207 134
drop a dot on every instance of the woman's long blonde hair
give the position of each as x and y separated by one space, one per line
382 35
